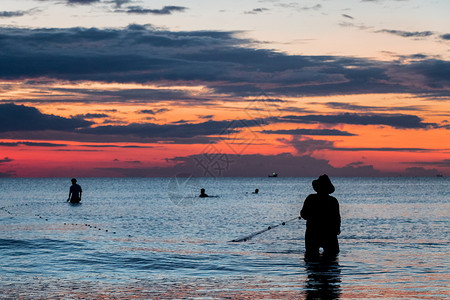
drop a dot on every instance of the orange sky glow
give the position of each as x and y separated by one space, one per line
303 91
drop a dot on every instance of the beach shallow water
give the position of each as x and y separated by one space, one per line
153 238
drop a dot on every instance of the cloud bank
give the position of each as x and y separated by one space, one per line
152 55
166 10
24 118
251 165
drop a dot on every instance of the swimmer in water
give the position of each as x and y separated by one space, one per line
74 192
203 194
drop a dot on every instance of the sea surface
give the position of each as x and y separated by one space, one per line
154 238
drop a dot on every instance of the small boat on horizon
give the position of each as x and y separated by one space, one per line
273 174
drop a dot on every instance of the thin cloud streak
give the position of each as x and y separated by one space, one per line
320 132
407 34
166 10
400 121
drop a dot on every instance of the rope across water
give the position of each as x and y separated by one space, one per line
250 236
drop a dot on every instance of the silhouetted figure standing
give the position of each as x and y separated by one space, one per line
202 193
74 192
323 220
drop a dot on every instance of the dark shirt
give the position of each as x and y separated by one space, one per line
321 212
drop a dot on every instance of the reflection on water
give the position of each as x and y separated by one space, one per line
323 279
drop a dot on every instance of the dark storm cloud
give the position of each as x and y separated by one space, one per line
352 25
10 14
166 10
205 116
163 56
383 149
354 107
296 6
295 109
22 122
180 122
305 145
5 160
153 111
400 121
323 132
205 140
436 73
119 3
181 130
33 144
383 0
124 95
116 146
256 11
76 150
407 34
90 116
82 1
439 163
23 118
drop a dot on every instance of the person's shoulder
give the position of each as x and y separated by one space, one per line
333 199
311 197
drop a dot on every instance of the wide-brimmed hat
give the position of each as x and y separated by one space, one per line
323 185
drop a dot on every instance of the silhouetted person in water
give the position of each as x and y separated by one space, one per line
256 191
74 192
202 193
323 220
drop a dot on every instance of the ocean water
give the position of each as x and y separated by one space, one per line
153 238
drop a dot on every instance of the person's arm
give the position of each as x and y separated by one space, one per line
304 213
338 218
70 193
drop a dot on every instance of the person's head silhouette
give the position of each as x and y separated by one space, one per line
323 185
74 181
202 193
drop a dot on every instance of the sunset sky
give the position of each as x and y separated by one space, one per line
232 88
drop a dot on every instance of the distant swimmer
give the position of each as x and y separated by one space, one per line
74 192
203 194
323 220
256 191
